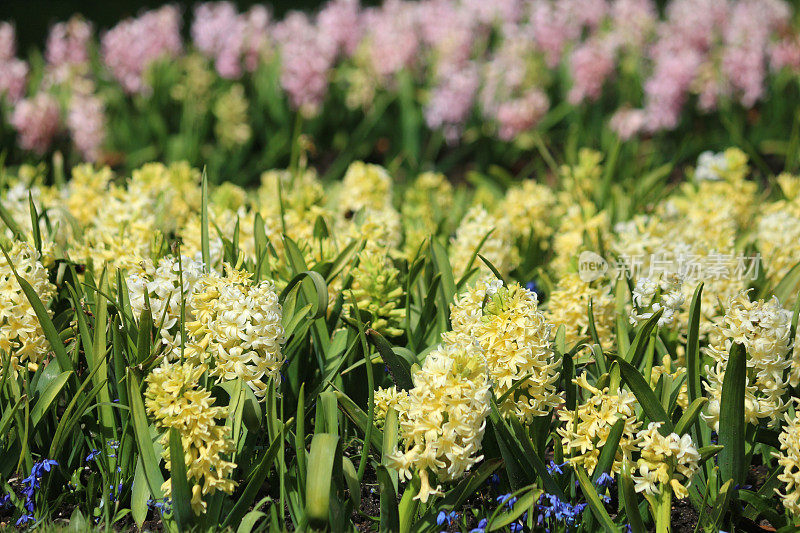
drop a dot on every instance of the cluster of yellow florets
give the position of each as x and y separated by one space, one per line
160 287
442 426
789 461
21 334
586 429
478 226
763 328
232 128
377 291
669 460
426 203
234 325
515 338
175 399
568 305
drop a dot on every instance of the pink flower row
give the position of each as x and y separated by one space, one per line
499 59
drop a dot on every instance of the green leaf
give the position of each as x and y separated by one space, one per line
143 338
45 401
640 342
690 416
523 504
140 493
594 501
318 484
181 494
359 418
390 516
398 366
787 287
647 399
630 500
141 432
351 479
320 288
731 418
609 450
255 481
693 346
204 245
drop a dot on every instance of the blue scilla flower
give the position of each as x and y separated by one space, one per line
554 468
605 480
24 519
507 499
92 455
553 508
443 517
481 526
494 479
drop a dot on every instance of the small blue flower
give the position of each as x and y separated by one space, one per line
481 526
494 479
507 499
24 519
605 480
515 527
92 455
443 517
554 468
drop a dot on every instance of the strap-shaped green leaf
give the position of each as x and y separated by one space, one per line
181 495
594 501
647 398
731 417
318 482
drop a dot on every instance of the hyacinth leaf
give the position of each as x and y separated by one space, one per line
143 337
398 366
140 493
609 451
427 314
647 399
627 494
442 264
693 346
37 235
390 439
526 498
764 506
141 432
318 484
690 416
255 481
45 400
731 418
181 494
456 496
49 329
788 285
593 327
68 420
795 317
594 501
351 480
205 249
637 350
359 418
493 269
320 288
390 516
8 416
